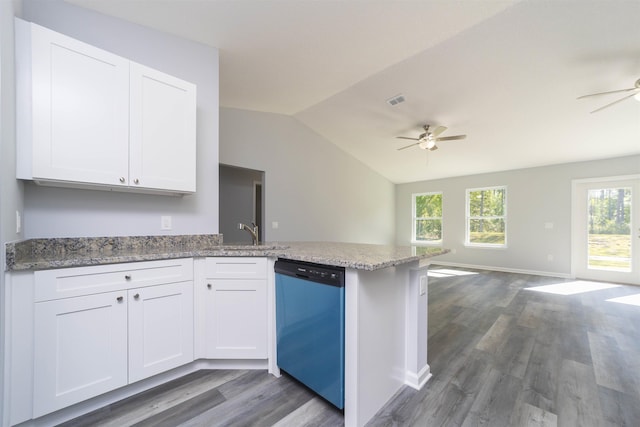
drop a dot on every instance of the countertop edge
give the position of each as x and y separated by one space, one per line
347 255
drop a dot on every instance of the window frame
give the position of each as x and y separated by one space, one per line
468 218
414 219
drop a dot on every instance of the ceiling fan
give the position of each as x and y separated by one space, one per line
428 139
635 90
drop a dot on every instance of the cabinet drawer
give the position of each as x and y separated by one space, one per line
236 268
78 281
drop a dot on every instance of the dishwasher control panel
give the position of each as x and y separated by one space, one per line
326 274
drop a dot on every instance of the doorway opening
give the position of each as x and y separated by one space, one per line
241 200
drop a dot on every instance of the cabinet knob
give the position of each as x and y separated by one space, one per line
208 285
136 296
122 179
119 299
127 277
136 181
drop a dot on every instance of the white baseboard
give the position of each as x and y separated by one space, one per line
504 270
417 381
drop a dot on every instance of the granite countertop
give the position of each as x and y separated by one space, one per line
42 254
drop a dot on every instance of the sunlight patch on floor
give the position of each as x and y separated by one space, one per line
572 288
445 272
629 299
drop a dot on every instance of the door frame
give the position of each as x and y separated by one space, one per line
576 228
258 207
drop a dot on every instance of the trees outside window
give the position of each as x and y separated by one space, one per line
609 228
487 217
427 218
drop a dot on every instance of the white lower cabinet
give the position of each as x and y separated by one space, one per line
87 345
80 349
160 329
77 333
235 292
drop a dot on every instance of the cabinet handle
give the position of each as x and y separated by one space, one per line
119 299
127 277
136 181
208 285
136 296
122 179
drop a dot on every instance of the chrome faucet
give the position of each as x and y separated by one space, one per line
253 231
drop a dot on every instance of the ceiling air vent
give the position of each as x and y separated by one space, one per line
395 100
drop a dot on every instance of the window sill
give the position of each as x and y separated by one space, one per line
434 244
481 246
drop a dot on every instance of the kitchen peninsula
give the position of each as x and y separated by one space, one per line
385 308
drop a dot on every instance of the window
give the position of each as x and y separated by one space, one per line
487 217
427 218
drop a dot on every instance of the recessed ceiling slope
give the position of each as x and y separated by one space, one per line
510 84
285 56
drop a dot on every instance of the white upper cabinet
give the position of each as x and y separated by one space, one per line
162 130
89 118
74 122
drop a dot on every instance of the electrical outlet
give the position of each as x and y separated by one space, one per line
274 224
549 257
165 223
423 285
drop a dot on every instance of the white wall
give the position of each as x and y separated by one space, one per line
534 196
314 190
53 212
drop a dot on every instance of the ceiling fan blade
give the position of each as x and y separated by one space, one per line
606 93
451 138
406 137
613 103
412 145
437 131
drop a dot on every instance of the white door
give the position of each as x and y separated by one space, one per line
80 348
163 131
160 329
80 111
606 229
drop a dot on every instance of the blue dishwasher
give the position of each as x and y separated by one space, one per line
310 326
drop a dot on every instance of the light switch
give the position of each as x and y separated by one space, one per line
548 225
274 224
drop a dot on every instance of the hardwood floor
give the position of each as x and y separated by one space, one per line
500 355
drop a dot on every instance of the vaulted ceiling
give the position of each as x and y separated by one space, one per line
506 73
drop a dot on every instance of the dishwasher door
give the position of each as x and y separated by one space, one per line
310 327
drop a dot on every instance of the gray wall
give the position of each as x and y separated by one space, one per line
314 190
10 188
236 202
534 196
53 212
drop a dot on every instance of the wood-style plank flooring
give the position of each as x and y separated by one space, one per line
500 355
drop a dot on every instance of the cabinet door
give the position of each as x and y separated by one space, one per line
236 319
80 107
80 349
163 131
160 328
